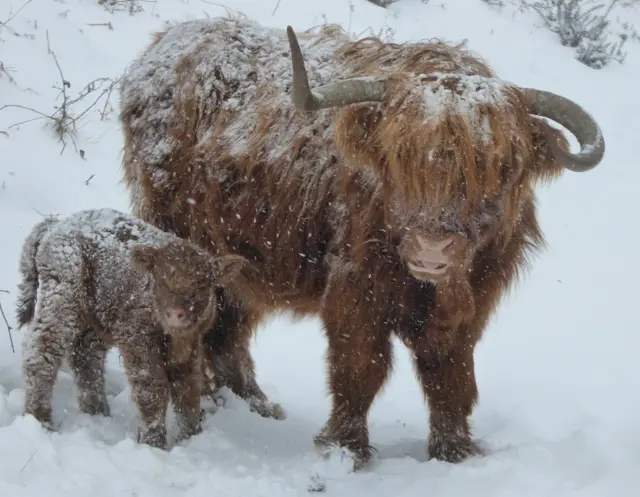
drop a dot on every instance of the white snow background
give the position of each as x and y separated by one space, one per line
558 368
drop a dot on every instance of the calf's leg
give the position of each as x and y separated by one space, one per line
185 382
144 365
87 359
46 343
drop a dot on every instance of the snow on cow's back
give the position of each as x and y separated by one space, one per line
220 64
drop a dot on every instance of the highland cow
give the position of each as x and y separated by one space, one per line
106 279
396 197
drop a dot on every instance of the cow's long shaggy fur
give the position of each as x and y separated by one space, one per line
108 279
322 203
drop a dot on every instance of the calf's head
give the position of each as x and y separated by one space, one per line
458 150
184 280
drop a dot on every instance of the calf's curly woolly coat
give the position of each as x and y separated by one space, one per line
395 197
108 279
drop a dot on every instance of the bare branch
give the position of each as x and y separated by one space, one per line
25 108
63 118
5 70
9 328
108 90
12 16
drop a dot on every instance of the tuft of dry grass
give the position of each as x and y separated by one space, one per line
65 116
130 6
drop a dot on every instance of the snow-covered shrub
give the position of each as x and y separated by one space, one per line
382 3
585 26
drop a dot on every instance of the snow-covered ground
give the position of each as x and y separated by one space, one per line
558 368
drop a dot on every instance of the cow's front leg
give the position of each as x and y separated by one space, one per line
358 363
450 386
443 357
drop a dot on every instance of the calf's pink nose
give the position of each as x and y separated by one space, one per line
177 314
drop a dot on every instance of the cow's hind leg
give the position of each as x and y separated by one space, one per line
359 360
227 351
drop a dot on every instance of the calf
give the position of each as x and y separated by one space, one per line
107 279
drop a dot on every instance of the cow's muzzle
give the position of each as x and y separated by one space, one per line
434 258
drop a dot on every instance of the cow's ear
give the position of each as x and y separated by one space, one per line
545 166
144 257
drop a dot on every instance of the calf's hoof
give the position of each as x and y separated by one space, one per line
155 436
42 415
96 408
186 432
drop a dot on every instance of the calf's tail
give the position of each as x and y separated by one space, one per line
28 287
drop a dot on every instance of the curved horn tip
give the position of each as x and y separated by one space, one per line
291 34
577 121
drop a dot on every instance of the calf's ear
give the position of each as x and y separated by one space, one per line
227 267
144 257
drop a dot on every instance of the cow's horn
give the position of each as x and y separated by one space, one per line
348 91
575 119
